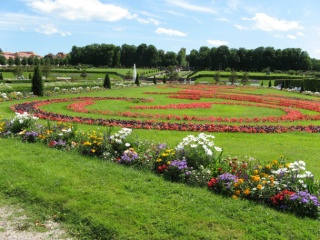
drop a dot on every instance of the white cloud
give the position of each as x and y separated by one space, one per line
154 21
170 32
300 34
142 21
267 23
192 7
50 29
240 27
217 42
291 36
14 21
81 9
223 19
149 20
175 13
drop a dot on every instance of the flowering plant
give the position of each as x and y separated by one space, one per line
22 121
177 171
304 204
199 150
128 156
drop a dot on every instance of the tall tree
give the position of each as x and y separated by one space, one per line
182 60
152 56
37 83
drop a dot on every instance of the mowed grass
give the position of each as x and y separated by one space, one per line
99 199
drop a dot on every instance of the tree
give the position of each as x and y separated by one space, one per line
17 61
154 80
46 68
37 83
10 61
3 60
233 77
107 82
164 79
18 72
129 75
245 78
137 82
1 76
182 60
269 83
84 74
217 76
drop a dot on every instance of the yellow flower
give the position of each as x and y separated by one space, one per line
93 150
168 163
268 166
255 172
275 162
259 186
159 160
234 197
240 180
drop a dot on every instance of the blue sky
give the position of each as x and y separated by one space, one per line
51 26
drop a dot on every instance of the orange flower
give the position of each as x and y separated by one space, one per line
247 191
237 192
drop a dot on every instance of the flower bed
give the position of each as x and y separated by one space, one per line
196 160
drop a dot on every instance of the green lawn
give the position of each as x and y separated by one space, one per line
98 199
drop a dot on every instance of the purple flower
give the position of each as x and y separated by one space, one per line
180 164
304 198
128 156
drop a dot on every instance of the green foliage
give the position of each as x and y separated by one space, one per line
107 82
217 76
154 80
137 82
245 78
233 77
164 79
84 74
37 83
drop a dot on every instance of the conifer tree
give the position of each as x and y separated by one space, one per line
164 79
107 82
270 83
137 82
37 83
154 80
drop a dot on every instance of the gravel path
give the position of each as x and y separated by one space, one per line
14 225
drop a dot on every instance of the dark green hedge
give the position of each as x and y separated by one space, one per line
312 85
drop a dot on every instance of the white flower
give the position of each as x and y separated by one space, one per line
127 144
218 149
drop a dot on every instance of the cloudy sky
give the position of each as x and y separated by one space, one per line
51 26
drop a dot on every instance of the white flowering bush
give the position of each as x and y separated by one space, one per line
199 150
22 121
294 176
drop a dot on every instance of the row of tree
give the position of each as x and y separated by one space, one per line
216 58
